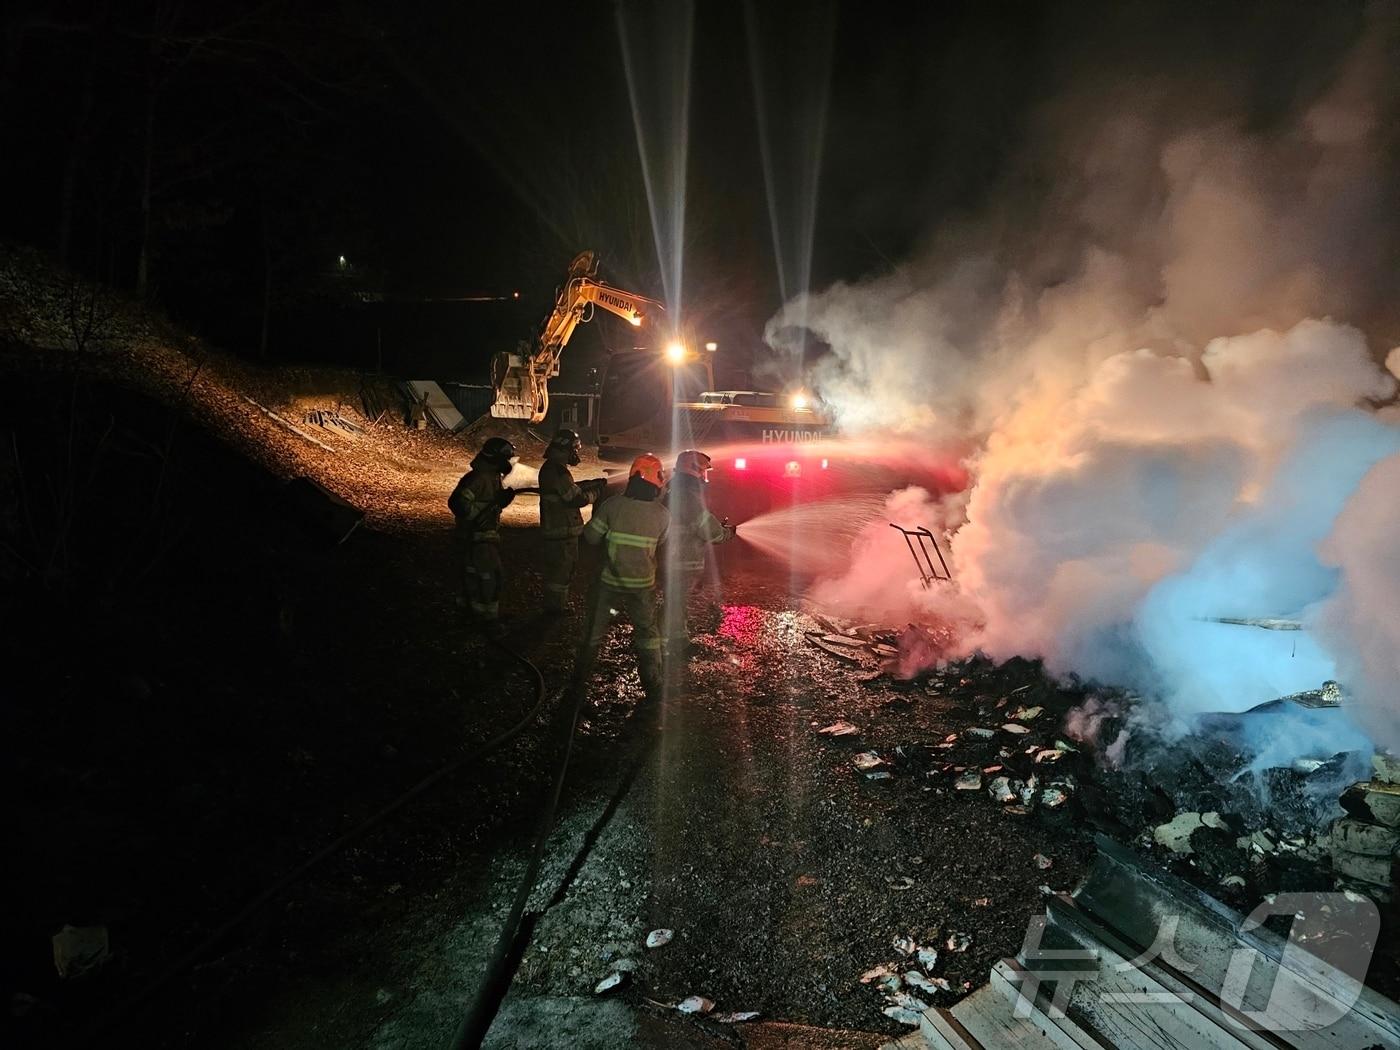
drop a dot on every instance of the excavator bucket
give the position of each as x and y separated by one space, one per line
517 394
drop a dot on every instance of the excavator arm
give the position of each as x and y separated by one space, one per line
521 379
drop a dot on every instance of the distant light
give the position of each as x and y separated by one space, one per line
675 353
515 295
741 464
635 320
342 263
824 464
799 401
712 346
792 469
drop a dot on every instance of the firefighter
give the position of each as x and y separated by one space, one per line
629 528
561 517
693 529
476 503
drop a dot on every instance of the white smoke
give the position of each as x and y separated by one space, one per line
1172 427
1359 622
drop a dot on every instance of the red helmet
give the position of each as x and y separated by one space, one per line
648 468
694 463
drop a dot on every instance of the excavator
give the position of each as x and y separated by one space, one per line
521 379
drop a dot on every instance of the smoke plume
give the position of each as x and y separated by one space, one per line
1180 417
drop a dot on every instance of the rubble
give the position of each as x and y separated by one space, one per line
928 958
78 950
1365 844
1055 796
959 942
1015 728
1361 867
902 1015
1001 790
971 780
737 1017
1372 840
914 979
609 983
842 728
1385 768
1373 801
1042 862
904 945
660 938
695 1004
1175 835
866 761
909 1002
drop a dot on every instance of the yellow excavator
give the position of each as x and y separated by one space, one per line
521 379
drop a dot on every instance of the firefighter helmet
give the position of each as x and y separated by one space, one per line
498 451
566 438
694 463
566 443
648 468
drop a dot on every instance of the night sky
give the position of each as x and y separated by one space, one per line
454 150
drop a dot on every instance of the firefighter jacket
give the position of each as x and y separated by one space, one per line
476 503
560 500
693 526
630 530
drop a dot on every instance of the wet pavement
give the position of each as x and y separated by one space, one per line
785 872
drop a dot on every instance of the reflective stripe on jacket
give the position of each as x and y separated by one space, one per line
695 528
630 531
560 500
475 503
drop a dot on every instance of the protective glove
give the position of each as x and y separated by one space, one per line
506 498
730 531
594 488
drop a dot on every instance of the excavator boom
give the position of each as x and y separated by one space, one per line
521 379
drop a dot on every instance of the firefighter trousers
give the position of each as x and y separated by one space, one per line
559 557
604 603
683 581
481 578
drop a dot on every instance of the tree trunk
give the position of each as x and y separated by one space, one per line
143 260
77 146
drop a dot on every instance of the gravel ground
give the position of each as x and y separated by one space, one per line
784 872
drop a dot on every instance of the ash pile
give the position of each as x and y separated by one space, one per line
1215 807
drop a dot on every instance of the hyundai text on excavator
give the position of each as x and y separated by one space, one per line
521 379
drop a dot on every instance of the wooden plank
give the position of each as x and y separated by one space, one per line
988 1017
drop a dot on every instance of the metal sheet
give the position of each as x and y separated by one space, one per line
440 408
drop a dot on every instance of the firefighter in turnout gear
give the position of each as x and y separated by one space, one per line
693 530
476 503
561 517
629 528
